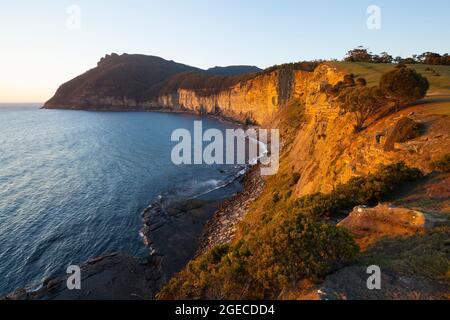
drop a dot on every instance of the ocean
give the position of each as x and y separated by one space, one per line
74 184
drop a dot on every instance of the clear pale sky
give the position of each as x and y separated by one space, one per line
39 52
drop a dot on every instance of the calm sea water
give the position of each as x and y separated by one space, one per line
73 185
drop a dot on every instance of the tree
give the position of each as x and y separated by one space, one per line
403 85
361 82
385 58
359 54
408 61
430 58
363 102
349 80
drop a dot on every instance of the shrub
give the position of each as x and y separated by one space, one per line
362 102
361 82
404 85
276 197
274 257
442 164
420 255
349 80
359 54
295 250
295 178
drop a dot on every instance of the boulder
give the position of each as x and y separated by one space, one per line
368 225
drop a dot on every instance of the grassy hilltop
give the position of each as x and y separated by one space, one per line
439 77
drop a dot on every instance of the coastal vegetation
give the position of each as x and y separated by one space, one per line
362 54
398 87
285 240
403 85
368 190
442 164
362 102
419 255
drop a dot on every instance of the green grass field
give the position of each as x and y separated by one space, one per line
372 73
438 98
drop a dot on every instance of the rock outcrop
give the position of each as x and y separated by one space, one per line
369 225
116 276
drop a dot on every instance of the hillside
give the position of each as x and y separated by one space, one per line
233 70
438 99
288 244
132 82
116 77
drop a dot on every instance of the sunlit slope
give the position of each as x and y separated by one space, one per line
438 98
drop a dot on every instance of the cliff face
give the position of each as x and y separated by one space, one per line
320 151
257 99
139 82
136 82
325 151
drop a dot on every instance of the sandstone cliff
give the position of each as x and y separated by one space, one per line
325 151
320 146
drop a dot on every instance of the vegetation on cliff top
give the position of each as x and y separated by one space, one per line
203 84
372 73
399 87
420 255
284 240
403 85
361 54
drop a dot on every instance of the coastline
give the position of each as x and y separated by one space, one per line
181 111
222 227
115 276
121 276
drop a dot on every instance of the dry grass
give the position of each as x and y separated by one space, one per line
372 73
438 98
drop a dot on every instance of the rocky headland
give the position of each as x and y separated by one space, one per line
320 152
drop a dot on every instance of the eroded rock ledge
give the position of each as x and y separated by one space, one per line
115 276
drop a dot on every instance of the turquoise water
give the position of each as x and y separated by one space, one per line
73 184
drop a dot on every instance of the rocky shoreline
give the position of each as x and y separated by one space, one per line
115 276
221 228
236 120
119 276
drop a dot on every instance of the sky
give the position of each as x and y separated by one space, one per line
48 42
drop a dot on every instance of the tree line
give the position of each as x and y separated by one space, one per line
361 54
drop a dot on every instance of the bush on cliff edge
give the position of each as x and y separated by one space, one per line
284 242
260 266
